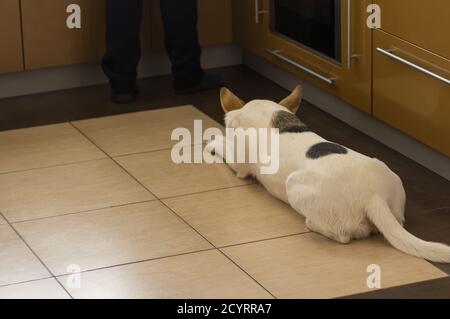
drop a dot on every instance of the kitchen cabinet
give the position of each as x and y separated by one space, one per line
49 42
251 25
350 78
423 23
214 23
11 59
411 90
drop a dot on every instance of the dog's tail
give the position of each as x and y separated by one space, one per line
381 216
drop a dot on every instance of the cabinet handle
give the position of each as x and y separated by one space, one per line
414 66
258 12
349 34
277 53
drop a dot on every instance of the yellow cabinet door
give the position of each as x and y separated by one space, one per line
350 80
251 25
214 25
49 42
423 23
11 59
411 90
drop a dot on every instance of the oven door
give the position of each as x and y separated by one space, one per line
328 45
313 24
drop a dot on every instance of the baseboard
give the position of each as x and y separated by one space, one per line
67 77
391 137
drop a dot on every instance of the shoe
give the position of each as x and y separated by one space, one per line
210 81
125 97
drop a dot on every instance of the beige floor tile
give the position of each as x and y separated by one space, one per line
164 178
17 262
200 275
67 189
311 266
237 215
2 220
110 237
44 146
40 289
142 131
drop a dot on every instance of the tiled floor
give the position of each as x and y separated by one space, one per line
141 131
17 261
39 289
44 146
310 266
67 189
102 196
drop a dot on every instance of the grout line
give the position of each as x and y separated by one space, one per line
193 228
83 211
155 150
53 166
71 123
245 272
36 255
213 248
265 239
160 199
90 140
189 225
26 281
107 156
89 160
200 234
208 191
139 261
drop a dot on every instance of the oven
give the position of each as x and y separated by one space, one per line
312 24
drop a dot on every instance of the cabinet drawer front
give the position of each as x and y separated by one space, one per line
48 42
10 37
411 90
422 22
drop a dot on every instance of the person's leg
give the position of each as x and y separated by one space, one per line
123 21
181 38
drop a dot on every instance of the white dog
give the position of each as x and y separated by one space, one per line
343 194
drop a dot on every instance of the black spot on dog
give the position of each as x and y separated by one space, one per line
324 149
287 122
295 129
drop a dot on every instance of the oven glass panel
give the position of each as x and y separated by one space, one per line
315 24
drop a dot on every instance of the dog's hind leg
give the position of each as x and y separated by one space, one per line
340 238
303 195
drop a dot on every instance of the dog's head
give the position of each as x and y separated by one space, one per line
257 113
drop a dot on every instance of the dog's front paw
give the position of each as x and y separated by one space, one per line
243 175
215 147
211 147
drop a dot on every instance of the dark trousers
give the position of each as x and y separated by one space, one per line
123 22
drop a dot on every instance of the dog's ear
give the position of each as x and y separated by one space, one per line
293 101
230 102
